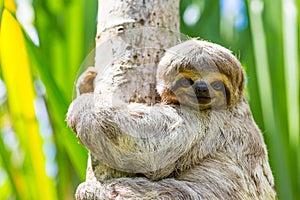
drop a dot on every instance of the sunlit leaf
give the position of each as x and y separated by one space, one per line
18 79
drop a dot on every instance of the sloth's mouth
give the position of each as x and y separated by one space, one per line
204 100
201 99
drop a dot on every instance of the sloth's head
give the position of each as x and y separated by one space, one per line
200 75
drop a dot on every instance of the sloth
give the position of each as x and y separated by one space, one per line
199 142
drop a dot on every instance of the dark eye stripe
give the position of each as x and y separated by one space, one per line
182 82
218 85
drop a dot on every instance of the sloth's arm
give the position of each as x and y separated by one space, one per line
213 179
138 188
134 138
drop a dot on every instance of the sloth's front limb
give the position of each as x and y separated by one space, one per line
134 138
213 179
137 188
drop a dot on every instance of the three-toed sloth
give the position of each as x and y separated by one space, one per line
200 142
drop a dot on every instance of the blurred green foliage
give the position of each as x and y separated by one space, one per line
263 34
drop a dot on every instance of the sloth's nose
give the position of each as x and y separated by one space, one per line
201 89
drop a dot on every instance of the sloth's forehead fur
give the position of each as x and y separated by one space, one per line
201 56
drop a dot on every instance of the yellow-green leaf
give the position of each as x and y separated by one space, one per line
17 76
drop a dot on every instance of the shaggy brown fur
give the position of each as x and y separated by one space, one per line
178 152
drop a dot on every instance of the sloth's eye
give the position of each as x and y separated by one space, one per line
218 85
185 82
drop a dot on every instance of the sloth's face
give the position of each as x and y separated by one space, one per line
203 90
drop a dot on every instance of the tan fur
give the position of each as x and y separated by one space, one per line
177 152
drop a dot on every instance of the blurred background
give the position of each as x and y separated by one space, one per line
44 42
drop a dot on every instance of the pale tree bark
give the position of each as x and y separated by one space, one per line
132 35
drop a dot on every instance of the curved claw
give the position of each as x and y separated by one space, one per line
85 83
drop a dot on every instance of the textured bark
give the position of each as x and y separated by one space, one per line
132 35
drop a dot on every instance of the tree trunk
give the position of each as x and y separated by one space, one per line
132 35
